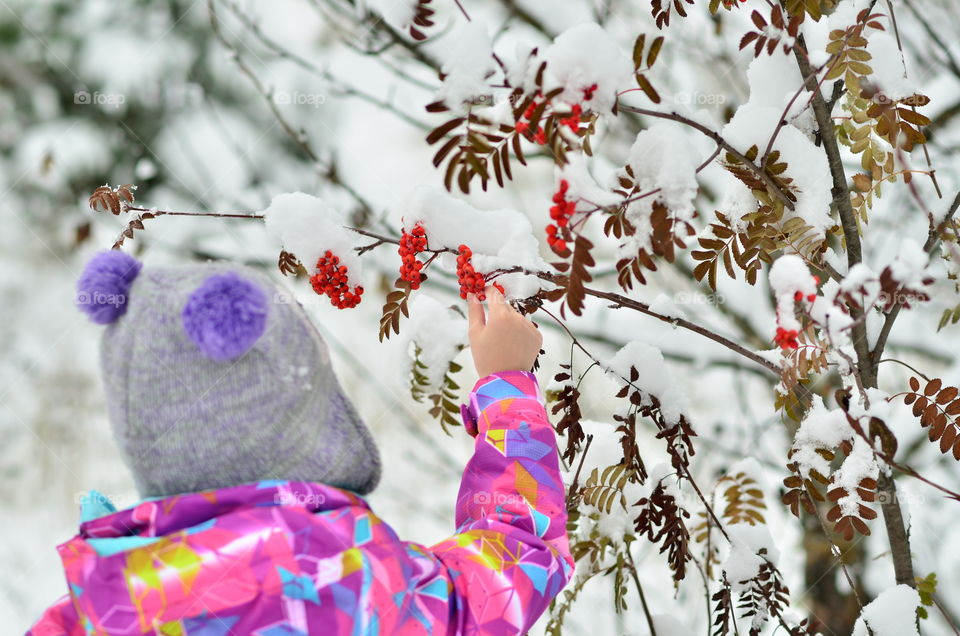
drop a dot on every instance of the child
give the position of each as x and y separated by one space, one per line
252 462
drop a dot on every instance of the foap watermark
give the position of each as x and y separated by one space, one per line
97 498
908 498
296 98
96 98
697 298
698 98
487 498
286 498
98 299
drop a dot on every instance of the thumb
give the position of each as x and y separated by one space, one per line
475 314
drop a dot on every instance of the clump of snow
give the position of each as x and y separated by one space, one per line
909 268
888 69
583 187
773 83
439 332
468 62
654 378
499 239
789 274
860 275
582 56
821 428
616 524
56 152
397 13
750 546
892 613
859 464
663 474
306 226
522 69
665 306
663 157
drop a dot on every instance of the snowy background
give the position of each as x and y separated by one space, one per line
142 92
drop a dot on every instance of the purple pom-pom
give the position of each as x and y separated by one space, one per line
225 316
104 284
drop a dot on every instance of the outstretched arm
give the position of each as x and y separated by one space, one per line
510 556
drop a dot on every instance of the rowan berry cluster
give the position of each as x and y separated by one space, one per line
786 338
523 127
573 121
411 244
471 282
331 280
561 212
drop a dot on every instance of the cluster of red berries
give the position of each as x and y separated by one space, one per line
523 127
411 244
573 121
561 212
786 338
798 295
331 280
470 281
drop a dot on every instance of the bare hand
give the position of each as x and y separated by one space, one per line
501 340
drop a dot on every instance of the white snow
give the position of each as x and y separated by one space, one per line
654 378
122 64
583 187
55 152
468 61
664 305
909 268
887 65
439 331
667 625
892 613
663 157
858 465
498 238
773 83
397 13
306 226
582 56
821 428
750 546
788 275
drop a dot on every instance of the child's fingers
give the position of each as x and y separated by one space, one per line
498 304
475 315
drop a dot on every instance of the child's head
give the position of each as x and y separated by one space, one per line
214 377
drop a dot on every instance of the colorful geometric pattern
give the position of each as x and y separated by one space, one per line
292 558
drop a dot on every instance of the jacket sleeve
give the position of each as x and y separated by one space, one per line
60 619
510 556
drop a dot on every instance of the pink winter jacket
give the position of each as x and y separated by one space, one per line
273 558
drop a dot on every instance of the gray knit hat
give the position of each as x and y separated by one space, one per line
215 377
